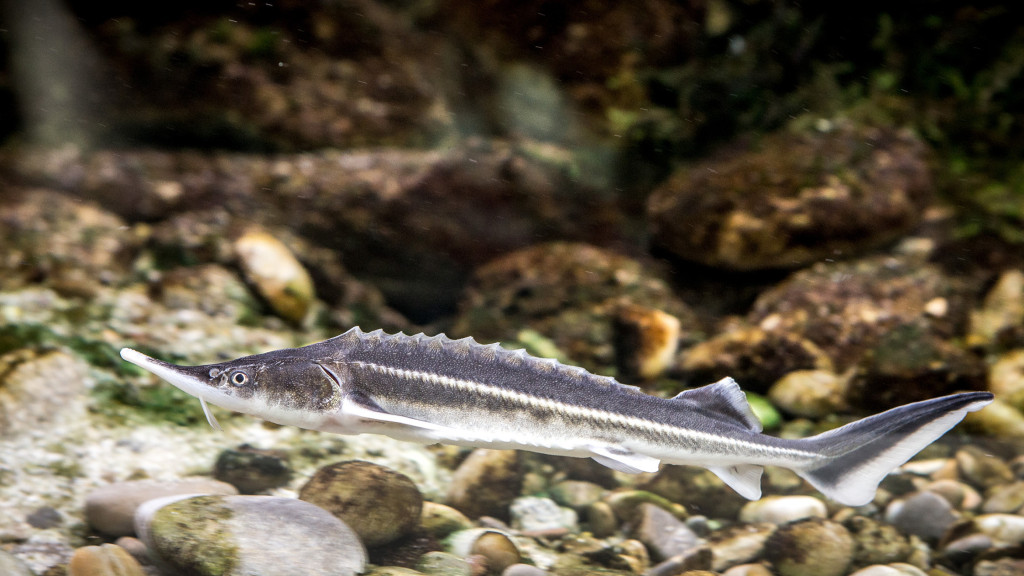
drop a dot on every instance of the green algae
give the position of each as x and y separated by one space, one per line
191 535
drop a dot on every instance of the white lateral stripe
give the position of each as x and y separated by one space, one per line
573 410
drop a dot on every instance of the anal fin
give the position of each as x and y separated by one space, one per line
624 460
745 479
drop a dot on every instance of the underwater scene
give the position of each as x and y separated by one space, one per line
511 288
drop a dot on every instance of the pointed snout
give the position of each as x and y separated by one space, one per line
184 377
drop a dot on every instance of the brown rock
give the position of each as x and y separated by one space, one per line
486 483
103 560
794 198
379 504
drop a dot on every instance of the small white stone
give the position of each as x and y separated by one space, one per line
782 509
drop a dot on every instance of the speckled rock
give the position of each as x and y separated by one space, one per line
486 483
796 198
1001 313
239 535
379 504
878 314
755 356
497 547
103 560
530 513
782 509
646 340
663 534
40 389
739 544
276 273
923 514
111 509
252 470
810 393
813 547
568 292
1000 567
576 494
73 245
877 542
438 520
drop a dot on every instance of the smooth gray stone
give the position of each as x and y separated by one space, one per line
111 509
249 536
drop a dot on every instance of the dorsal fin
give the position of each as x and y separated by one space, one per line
725 398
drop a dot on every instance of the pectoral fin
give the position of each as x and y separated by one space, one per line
357 405
743 478
624 460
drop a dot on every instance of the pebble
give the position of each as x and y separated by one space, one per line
748 570
982 470
243 535
923 514
103 560
252 470
532 513
877 542
443 564
601 519
522 570
1006 378
810 393
782 509
698 558
646 340
111 509
1003 529
576 494
812 547
739 545
959 495
438 520
664 535
10 565
277 274
1002 309
380 504
486 483
1005 499
497 547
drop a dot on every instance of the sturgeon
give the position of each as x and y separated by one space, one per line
433 389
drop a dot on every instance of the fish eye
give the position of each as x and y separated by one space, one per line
239 378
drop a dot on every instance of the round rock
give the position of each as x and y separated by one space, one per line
535 513
924 514
103 560
252 470
380 504
812 547
244 535
782 509
486 483
277 274
111 509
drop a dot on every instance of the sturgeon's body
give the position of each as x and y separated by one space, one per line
435 389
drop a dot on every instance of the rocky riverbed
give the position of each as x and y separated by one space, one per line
667 193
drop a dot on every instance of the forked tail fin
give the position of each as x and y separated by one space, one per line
857 456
